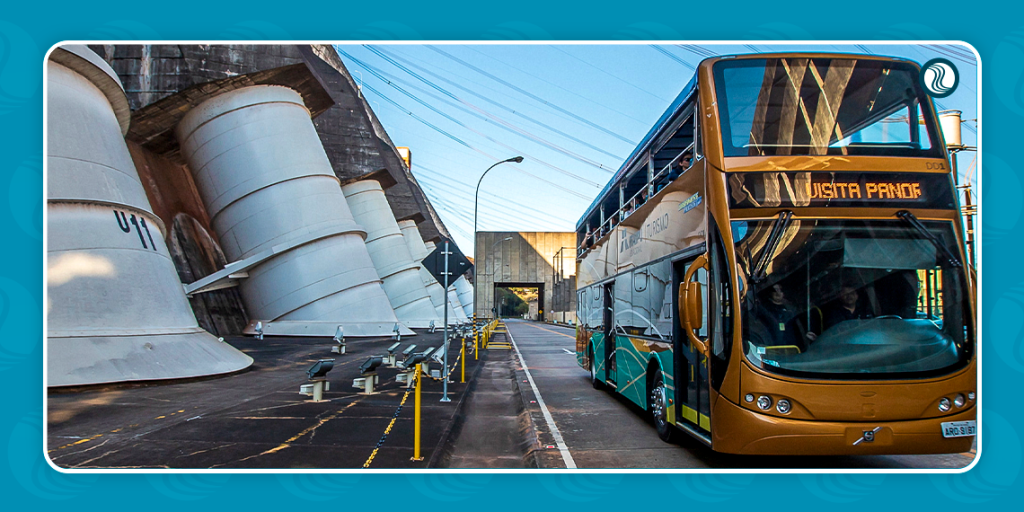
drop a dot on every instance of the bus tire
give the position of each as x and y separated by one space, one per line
594 381
657 403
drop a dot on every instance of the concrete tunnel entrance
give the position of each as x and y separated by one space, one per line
504 260
519 300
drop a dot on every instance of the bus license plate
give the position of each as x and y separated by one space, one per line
959 428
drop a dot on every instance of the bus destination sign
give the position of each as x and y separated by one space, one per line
816 189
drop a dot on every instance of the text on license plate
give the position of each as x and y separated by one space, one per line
959 428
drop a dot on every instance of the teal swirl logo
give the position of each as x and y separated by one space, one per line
19 67
843 488
997 471
32 472
25 197
449 488
20 324
939 77
1007 71
188 487
711 488
581 488
320 487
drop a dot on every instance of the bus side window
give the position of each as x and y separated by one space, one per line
582 307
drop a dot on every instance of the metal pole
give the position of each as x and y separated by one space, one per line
462 357
444 373
476 252
416 416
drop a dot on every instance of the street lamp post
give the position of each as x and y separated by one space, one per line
476 207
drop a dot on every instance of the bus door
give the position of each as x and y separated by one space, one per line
609 333
691 394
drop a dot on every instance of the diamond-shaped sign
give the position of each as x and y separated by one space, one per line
458 264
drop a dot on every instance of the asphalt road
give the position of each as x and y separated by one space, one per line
578 426
257 418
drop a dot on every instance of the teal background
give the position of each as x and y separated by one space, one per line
28 30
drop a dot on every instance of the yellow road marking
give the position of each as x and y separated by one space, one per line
309 429
552 332
80 441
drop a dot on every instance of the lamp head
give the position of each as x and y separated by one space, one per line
517 160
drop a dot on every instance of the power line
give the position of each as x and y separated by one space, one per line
488 116
700 51
645 91
673 56
388 56
569 91
531 95
420 119
460 141
436 174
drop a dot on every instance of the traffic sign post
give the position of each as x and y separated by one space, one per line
446 262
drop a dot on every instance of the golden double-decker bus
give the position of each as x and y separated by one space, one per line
779 266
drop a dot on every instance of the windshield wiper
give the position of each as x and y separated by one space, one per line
778 228
909 218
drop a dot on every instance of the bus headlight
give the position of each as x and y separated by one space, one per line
970 396
764 402
749 397
959 400
944 404
783 406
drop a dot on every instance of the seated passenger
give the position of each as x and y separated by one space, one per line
686 161
781 322
681 166
848 308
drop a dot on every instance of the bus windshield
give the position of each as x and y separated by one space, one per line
822 106
848 299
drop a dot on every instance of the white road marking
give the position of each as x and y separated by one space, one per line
567 351
559 442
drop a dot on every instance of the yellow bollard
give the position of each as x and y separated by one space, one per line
416 416
462 356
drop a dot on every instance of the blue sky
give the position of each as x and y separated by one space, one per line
573 111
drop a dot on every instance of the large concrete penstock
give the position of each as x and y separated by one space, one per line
277 207
465 291
419 251
115 308
390 254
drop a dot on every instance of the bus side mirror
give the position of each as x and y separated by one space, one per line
695 303
691 305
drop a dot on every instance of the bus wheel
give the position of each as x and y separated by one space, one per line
658 405
594 381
